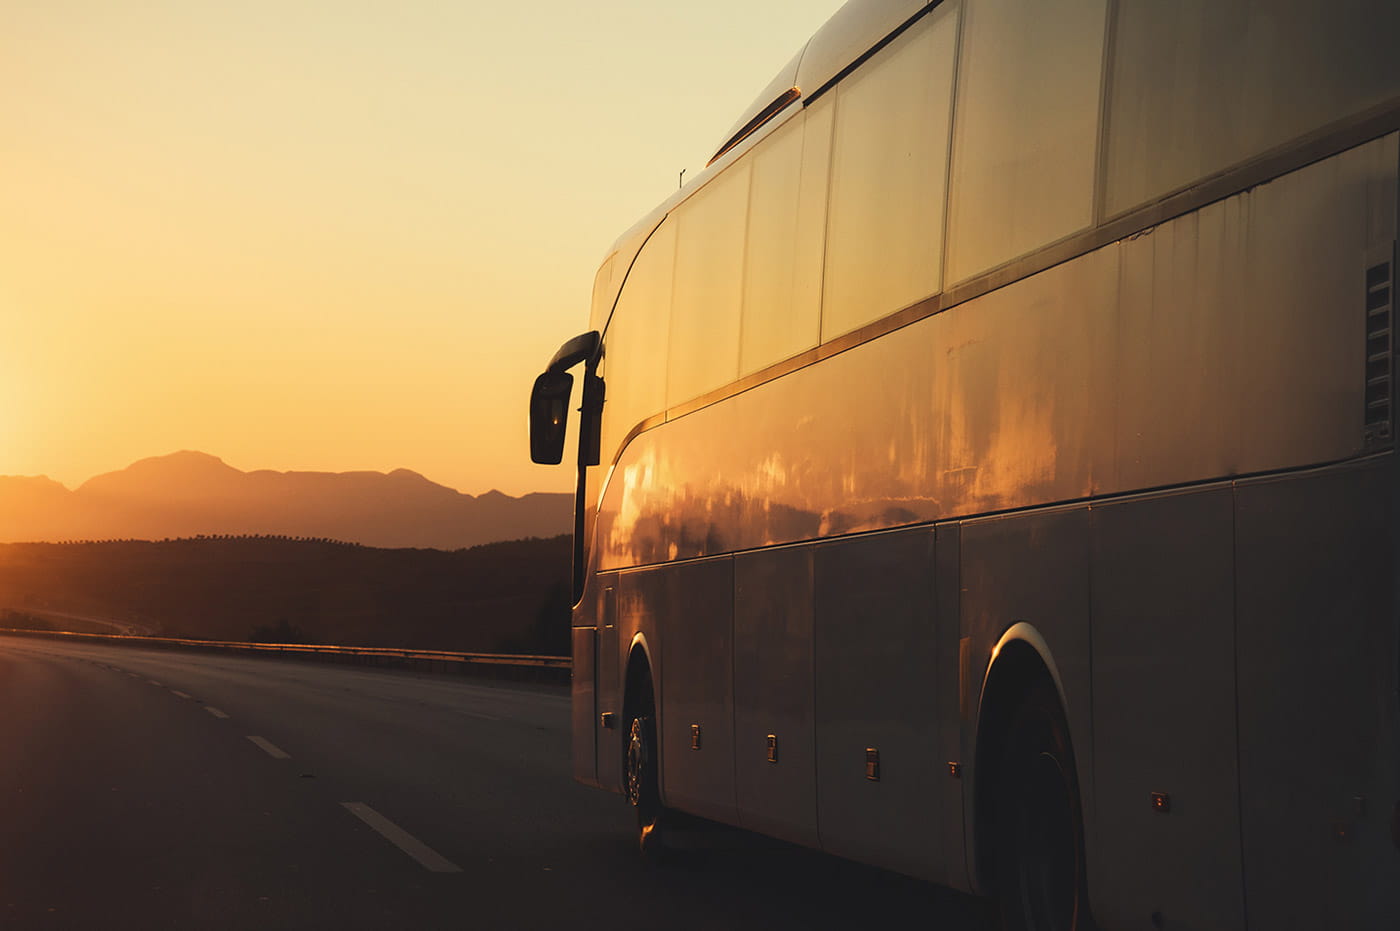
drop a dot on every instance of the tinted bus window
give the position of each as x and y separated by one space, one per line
634 347
775 324
1199 85
889 170
601 304
709 286
1027 129
811 207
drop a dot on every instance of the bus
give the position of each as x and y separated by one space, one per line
987 471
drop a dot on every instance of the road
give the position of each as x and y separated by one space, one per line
162 789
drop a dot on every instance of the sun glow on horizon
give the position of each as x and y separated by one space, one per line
305 236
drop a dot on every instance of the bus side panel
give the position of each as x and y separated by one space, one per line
583 689
1219 343
994 404
1319 761
876 690
610 668
584 707
696 601
1300 376
955 709
1032 568
1164 713
777 787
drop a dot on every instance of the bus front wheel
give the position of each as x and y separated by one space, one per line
644 786
1040 881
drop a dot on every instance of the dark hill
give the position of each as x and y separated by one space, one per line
499 597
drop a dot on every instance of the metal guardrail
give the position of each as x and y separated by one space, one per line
550 667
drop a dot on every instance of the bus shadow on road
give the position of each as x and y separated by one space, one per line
751 881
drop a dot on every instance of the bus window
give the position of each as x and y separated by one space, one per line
1027 129
603 292
709 287
634 346
810 254
889 169
1200 85
775 325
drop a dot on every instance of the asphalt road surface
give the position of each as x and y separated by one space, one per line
161 789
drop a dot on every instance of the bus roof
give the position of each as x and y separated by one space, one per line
852 32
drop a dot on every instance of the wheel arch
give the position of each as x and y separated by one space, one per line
1020 658
639 666
640 675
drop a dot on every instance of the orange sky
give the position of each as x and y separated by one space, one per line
305 234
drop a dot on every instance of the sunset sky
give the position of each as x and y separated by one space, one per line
320 235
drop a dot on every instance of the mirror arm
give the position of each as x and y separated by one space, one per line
590 430
581 347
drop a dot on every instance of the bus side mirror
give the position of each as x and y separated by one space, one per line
549 417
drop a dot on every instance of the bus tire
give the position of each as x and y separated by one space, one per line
1040 874
643 783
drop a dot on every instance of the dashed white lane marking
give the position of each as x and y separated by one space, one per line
134 675
478 714
215 711
426 856
153 682
270 748
178 694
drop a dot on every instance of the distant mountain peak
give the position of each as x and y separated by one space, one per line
185 455
183 459
181 475
188 493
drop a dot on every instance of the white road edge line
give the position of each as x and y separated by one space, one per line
271 749
426 856
215 711
178 694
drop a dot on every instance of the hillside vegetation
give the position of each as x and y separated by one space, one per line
509 597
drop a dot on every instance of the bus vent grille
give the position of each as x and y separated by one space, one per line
1379 347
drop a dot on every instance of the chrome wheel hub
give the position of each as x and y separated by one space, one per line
638 758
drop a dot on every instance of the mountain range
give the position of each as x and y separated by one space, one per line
189 494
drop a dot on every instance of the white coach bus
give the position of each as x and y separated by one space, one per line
987 464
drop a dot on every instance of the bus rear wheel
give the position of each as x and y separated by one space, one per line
1040 878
